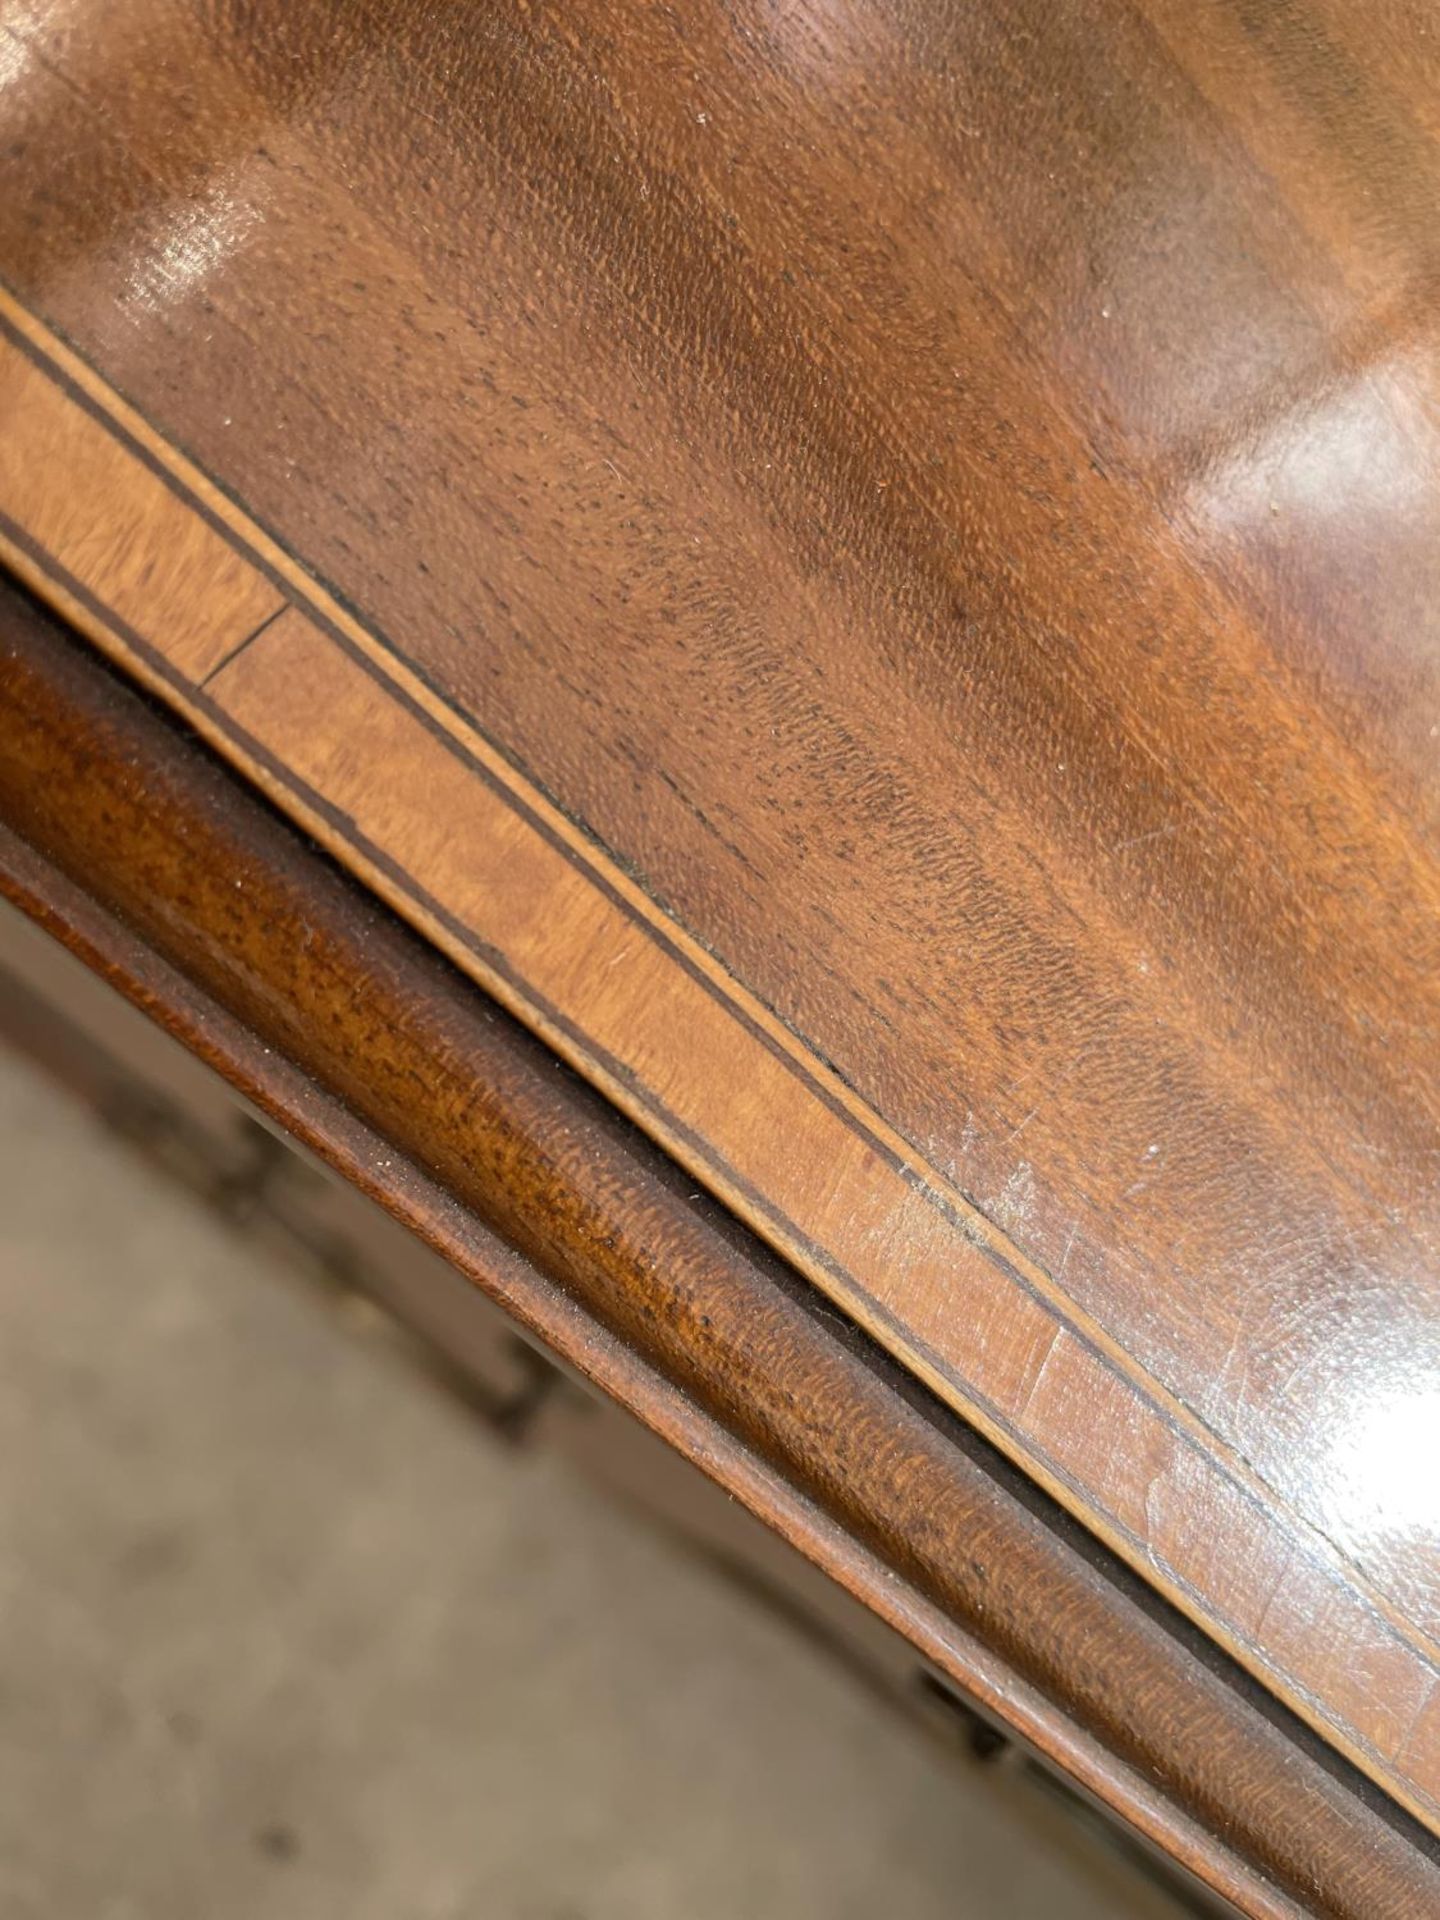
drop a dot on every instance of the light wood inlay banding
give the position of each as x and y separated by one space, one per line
124 535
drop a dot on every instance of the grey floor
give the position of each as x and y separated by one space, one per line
283 1633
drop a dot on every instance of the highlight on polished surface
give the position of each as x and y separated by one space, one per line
881 593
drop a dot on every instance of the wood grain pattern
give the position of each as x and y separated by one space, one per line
940 506
138 849
458 853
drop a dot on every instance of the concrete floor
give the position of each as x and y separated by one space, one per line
282 1632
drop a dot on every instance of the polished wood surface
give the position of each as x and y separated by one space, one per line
130 843
883 602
